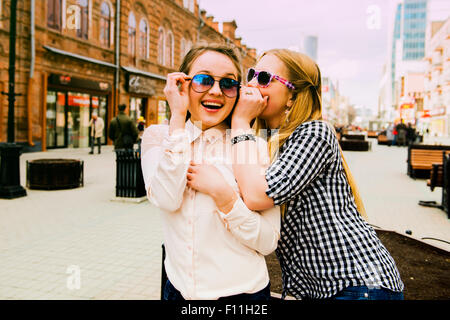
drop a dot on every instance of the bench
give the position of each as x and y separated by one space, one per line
354 137
422 157
436 176
355 145
445 184
383 140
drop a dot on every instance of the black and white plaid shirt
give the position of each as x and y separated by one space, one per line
325 244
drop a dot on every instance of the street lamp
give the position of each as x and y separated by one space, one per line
10 187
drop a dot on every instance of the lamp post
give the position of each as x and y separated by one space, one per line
10 187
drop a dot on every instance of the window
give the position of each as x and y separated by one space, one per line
169 49
54 8
82 31
143 39
161 45
105 25
131 35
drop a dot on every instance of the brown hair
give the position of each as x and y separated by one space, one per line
200 48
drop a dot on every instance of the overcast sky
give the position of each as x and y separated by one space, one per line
353 34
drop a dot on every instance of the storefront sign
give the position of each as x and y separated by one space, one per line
407 106
65 80
140 85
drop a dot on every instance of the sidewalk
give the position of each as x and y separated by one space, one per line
391 197
48 236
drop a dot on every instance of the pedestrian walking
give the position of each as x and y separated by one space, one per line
326 249
215 249
122 130
390 134
401 133
96 125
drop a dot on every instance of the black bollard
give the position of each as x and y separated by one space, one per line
10 187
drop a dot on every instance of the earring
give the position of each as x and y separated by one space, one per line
286 112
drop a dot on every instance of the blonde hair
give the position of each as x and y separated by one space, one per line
305 75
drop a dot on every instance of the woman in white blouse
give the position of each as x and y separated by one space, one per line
215 249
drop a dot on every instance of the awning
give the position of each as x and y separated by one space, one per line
79 57
143 73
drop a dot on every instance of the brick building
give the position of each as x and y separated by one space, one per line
77 56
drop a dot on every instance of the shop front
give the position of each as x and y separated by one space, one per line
143 98
70 104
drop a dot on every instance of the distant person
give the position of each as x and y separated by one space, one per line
141 128
395 133
390 134
96 132
411 135
122 130
401 133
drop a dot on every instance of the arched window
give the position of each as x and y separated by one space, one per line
143 39
54 8
131 35
83 30
169 49
105 25
161 45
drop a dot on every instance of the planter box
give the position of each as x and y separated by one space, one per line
54 174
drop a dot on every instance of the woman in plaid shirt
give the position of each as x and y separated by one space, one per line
326 249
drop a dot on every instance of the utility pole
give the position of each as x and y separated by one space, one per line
10 152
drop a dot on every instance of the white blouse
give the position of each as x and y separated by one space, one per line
210 254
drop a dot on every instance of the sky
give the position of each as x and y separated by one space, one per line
353 35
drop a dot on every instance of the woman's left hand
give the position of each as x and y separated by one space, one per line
205 178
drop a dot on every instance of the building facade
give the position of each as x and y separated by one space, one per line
407 52
435 115
75 57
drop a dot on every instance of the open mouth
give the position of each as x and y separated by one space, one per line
212 106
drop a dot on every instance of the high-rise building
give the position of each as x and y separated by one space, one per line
414 27
310 46
408 47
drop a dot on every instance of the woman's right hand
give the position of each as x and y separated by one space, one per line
177 93
250 105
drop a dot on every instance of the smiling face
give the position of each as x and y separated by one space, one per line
212 106
279 95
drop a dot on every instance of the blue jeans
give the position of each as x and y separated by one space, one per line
172 294
365 293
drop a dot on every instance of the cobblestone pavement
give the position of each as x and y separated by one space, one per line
79 244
